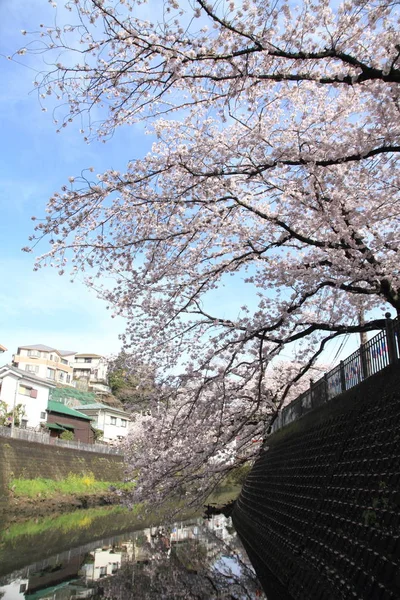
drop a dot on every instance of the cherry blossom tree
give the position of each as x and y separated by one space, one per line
275 162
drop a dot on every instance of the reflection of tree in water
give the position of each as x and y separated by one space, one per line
190 569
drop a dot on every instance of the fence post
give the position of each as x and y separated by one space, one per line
391 342
342 377
311 393
364 362
326 387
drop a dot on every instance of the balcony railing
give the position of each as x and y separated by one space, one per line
379 352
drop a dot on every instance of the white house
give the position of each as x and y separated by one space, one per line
90 372
22 387
113 422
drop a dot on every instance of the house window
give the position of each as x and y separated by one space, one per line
61 376
34 353
51 357
82 372
123 423
51 374
88 360
24 423
32 368
64 362
42 415
56 359
113 420
24 390
22 588
68 378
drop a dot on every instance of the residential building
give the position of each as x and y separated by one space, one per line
62 418
90 372
46 362
113 422
32 392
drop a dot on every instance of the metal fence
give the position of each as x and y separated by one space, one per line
44 438
379 352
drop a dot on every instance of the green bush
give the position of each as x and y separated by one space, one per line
67 435
98 434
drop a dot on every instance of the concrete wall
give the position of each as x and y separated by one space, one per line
19 458
319 512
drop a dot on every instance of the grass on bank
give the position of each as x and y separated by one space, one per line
72 485
68 522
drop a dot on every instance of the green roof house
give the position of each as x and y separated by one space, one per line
62 418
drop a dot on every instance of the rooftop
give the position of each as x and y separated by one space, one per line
100 406
26 375
60 408
44 348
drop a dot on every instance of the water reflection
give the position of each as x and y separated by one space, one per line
197 558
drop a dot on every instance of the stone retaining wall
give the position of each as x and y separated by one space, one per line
319 512
20 458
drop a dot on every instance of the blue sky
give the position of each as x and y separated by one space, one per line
35 161
42 307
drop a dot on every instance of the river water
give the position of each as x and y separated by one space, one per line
110 552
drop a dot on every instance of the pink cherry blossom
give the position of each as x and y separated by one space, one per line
277 129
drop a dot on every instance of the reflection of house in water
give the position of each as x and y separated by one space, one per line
185 550
50 582
102 562
14 590
222 527
106 561
183 531
54 575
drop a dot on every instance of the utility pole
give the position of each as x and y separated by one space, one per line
18 377
364 352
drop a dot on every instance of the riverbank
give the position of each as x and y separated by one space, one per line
21 460
41 496
36 480
17 509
